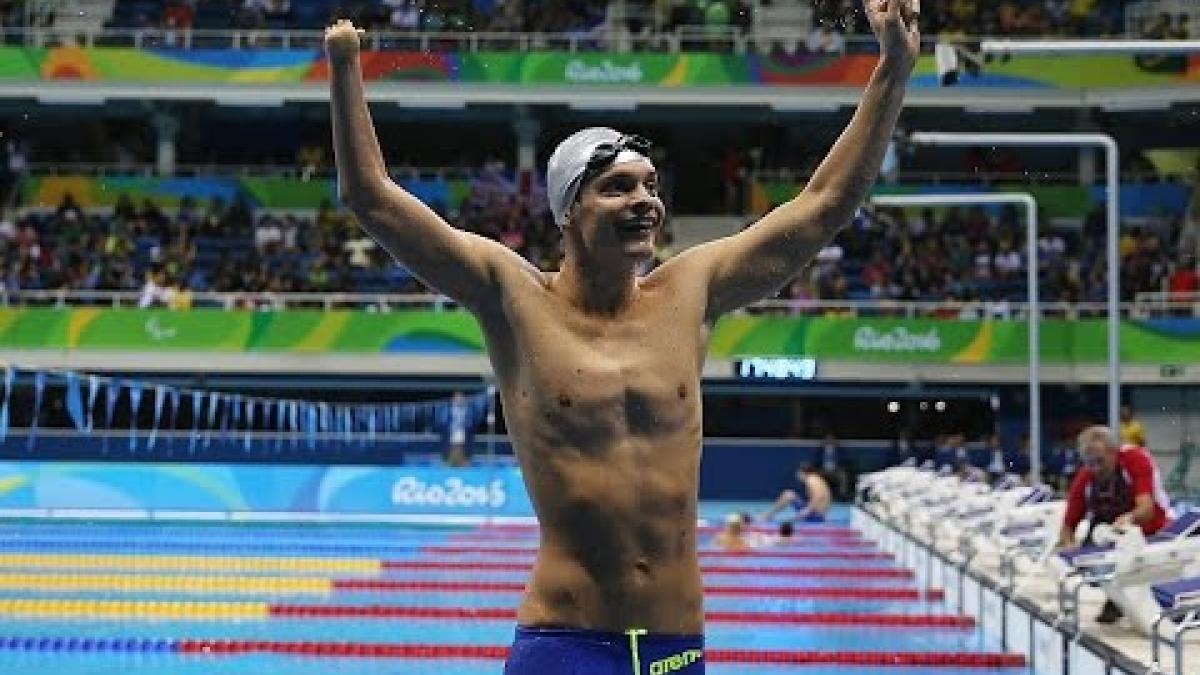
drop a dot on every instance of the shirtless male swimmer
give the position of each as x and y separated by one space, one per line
599 368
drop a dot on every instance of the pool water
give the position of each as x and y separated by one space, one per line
287 599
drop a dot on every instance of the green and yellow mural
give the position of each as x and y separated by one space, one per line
687 69
839 338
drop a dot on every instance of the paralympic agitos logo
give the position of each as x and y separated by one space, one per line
451 492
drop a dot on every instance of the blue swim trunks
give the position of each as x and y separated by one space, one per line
811 517
571 651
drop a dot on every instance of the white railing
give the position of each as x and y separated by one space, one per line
1146 305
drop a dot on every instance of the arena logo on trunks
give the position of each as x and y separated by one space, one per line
453 491
675 662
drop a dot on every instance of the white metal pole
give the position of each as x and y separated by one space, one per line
1031 279
1112 185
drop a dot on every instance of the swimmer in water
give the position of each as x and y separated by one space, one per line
732 537
813 506
599 368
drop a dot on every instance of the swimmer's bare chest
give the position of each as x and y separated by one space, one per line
591 380
605 414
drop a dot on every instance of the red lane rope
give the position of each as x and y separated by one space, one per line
823 572
843 619
449 651
827 592
510 614
800 532
420 585
881 658
757 553
816 546
884 593
506 529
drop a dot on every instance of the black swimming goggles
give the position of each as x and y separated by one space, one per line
606 153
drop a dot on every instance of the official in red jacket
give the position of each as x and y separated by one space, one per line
1117 484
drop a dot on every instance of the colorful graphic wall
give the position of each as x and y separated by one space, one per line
564 68
831 338
235 488
448 194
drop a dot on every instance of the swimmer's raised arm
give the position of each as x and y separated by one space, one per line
459 264
756 262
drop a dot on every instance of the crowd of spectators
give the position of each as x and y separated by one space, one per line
974 260
552 16
230 247
1006 17
970 260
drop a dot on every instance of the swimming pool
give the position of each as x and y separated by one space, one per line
272 599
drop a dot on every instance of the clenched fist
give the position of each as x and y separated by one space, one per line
341 40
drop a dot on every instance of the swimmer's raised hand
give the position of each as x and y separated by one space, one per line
896 24
342 40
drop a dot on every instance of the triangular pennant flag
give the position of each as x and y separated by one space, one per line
310 425
214 399
135 402
74 402
280 424
173 424
39 387
197 411
112 394
160 396
93 391
9 375
249 424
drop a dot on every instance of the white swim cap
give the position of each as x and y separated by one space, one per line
564 171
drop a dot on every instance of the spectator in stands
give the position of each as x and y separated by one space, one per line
1184 282
823 39
154 290
1133 432
404 15
359 249
251 15
177 16
1181 30
1118 485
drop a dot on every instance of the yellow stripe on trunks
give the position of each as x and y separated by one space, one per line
143 583
146 609
142 561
